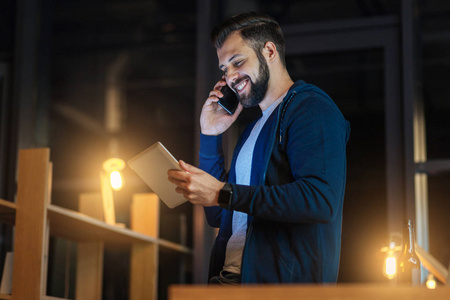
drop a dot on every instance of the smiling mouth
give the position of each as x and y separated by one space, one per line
240 86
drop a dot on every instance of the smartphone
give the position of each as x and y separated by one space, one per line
229 101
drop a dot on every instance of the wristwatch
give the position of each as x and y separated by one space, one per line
225 196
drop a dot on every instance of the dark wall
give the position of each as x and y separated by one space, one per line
80 41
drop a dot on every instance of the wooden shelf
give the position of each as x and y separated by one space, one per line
7 207
78 227
35 219
7 212
9 297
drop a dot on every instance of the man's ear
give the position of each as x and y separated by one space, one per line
270 51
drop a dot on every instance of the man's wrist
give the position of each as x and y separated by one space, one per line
210 145
225 196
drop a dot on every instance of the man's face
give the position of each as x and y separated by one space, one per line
245 72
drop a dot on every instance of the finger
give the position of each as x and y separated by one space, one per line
178 174
186 195
220 84
177 182
179 190
215 94
210 100
189 168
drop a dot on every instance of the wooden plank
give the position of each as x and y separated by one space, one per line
6 282
7 212
52 298
171 246
31 218
89 278
144 214
143 272
79 227
308 292
144 218
5 297
46 240
45 244
7 206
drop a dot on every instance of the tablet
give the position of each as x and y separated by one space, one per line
152 165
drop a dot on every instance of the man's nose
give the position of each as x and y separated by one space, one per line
232 77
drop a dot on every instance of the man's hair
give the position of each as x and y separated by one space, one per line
255 28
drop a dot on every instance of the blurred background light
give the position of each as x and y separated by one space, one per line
112 167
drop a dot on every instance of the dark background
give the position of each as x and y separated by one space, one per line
80 41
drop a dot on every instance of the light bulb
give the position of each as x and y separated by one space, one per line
431 282
390 264
116 180
391 267
113 166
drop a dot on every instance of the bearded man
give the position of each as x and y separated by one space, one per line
279 207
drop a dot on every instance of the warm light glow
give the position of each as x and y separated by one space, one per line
431 283
113 166
116 180
391 266
390 263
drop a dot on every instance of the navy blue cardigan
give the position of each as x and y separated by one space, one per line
296 194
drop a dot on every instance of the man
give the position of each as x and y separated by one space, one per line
280 207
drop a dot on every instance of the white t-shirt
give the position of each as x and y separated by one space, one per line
243 168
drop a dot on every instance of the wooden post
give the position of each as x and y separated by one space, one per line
89 280
31 222
144 215
109 213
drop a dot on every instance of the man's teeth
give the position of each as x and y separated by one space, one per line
241 86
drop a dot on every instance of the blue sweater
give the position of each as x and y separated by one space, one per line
296 194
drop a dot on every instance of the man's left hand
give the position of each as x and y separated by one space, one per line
196 185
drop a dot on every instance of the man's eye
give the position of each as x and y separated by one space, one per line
238 63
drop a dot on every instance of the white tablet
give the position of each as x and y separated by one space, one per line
152 165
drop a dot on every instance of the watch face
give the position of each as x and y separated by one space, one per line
225 195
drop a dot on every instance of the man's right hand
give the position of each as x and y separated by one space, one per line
214 120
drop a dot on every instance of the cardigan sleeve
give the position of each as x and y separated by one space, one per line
211 160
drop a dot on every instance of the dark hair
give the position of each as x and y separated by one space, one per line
255 28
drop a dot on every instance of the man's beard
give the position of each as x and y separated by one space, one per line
258 89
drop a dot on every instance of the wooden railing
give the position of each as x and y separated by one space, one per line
308 292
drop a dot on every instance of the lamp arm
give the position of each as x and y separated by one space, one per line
433 265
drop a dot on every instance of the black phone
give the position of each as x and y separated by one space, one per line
229 101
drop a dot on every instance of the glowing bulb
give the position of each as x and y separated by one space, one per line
431 283
113 166
390 264
391 267
116 180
